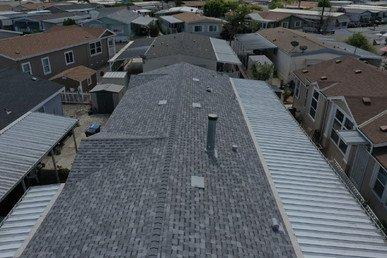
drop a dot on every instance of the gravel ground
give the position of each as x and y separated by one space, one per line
66 158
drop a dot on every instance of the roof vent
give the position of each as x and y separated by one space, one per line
195 79
209 89
197 182
323 78
34 78
17 52
275 225
383 128
357 71
305 71
162 102
366 101
338 61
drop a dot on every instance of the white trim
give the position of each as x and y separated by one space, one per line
67 52
297 24
310 104
382 199
49 65
29 64
201 30
89 81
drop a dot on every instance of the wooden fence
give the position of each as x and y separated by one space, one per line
75 98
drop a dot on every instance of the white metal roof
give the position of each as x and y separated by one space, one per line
223 52
171 19
120 75
326 219
352 137
144 20
107 87
20 224
306 12
26 142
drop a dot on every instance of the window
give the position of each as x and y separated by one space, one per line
26 68
380 182
89 81
69 57
198 28
285 24
297 90
46 65
340 122
213 28
297 24
313 104
95 48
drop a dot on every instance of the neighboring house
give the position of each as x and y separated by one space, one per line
179 9
42 22
118 20
9 34
79 79
191 23
31 6
359 13
61 8
332 20
342 104
364 55
296 50
261 189
200 50
141 25
49 53
268 19
21 93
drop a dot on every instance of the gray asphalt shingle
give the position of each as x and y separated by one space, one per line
129 192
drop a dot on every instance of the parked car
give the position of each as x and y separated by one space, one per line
93 129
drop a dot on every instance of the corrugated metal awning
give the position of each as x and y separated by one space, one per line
223 52
254 41
26 142
17 227
171 19
326 219
352 137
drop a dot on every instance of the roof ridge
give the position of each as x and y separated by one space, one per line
384 112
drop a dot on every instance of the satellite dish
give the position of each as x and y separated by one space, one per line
294 43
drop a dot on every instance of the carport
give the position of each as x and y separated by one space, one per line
25 142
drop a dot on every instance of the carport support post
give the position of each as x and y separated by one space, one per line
55 167
75 141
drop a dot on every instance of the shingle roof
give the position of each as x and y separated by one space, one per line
283 37
182 43
19 94
78 73
272 16
19 48
373 131
195 17
130 193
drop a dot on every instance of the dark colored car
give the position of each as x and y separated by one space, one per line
93 129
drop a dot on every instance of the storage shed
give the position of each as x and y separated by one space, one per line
261 59
105 97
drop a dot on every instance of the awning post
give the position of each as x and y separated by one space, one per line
55 167
75 141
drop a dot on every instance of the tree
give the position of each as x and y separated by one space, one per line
276 4
218 8
262 72
236 22
323 4
360 41
69 22
178 2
